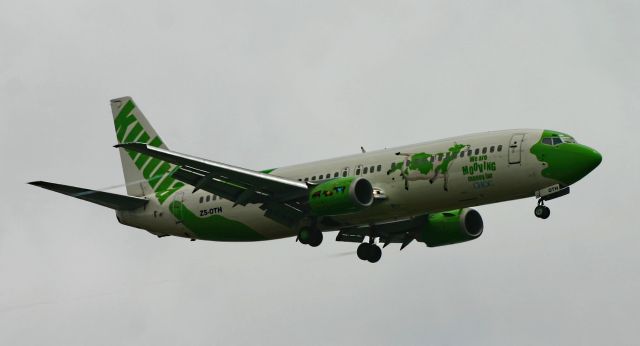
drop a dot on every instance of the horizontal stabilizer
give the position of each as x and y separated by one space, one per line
105 199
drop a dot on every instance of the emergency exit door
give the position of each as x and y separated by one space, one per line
515 148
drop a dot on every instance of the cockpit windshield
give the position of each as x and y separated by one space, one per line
555 140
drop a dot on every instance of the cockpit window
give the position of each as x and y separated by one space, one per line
555 140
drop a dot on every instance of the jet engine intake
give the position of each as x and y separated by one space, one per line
452 227
341 196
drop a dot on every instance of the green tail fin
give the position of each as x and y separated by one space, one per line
143 174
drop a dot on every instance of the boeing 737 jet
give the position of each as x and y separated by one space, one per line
420 192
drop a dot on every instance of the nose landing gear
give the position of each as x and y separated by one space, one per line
542 211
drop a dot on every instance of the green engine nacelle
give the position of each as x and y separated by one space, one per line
341 196
452 227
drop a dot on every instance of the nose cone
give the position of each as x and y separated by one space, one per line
580 160
587 159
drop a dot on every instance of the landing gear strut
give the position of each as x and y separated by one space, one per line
310 236
542 211
369 252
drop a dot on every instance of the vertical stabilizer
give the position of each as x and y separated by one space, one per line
143 175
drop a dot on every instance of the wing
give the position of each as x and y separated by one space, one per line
400 231
282 199
105 199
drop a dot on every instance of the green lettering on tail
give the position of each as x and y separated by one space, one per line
159 178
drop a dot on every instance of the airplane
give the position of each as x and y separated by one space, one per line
423 192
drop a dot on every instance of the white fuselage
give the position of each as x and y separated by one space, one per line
487 176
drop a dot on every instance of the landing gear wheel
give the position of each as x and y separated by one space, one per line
374 253
363 251
547 213
316 239
542 212
311 237
304 236
369 252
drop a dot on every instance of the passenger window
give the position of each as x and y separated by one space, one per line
306 179
477 151
371 169
365 170
500 147
440 157
201 199
462 154
345 172
557 141
313 178
336 174
379 168
469 152
484 150
327 176
320 177
358 171
492 149
214 197
208 198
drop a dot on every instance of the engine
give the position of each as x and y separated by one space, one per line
341 196
452 227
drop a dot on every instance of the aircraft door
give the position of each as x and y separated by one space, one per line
176 206
515 148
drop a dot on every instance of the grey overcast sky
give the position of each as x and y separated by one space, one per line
264 84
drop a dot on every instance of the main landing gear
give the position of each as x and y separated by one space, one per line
310 236
541 211
369 252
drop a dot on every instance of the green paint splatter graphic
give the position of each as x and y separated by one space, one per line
420 166
214 227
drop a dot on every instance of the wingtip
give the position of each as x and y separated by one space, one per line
39 183
129 145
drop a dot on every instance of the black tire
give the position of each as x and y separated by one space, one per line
363 251
539 211
304 236
316 238
375 253
546 213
